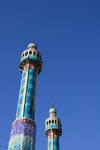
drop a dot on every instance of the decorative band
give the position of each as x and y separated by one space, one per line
23 127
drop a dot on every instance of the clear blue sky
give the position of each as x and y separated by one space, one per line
67 33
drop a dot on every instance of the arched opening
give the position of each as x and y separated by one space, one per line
30 52
37 54
26 53
49 121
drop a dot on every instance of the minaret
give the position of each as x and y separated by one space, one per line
53 130
23 128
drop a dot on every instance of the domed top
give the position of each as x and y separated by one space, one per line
52 110
32 45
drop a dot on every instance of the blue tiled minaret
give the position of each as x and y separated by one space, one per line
23 128
53 130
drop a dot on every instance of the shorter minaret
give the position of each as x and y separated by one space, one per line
53 130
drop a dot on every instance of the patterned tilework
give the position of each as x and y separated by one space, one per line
21 94
27 93
22 135
54 126
30 94
53 139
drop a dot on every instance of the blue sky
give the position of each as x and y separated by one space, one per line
67 33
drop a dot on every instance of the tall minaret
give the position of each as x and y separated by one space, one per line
23 128
53 130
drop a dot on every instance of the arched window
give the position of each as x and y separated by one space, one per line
52 121
49 121
34 53
37 54
26 53
30 52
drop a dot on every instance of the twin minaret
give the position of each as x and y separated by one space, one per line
53 130
23 130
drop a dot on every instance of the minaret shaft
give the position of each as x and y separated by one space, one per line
53 141
26 103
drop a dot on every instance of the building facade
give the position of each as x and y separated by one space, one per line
23 128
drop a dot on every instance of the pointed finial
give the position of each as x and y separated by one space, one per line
52 106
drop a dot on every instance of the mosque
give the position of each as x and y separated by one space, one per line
23 131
